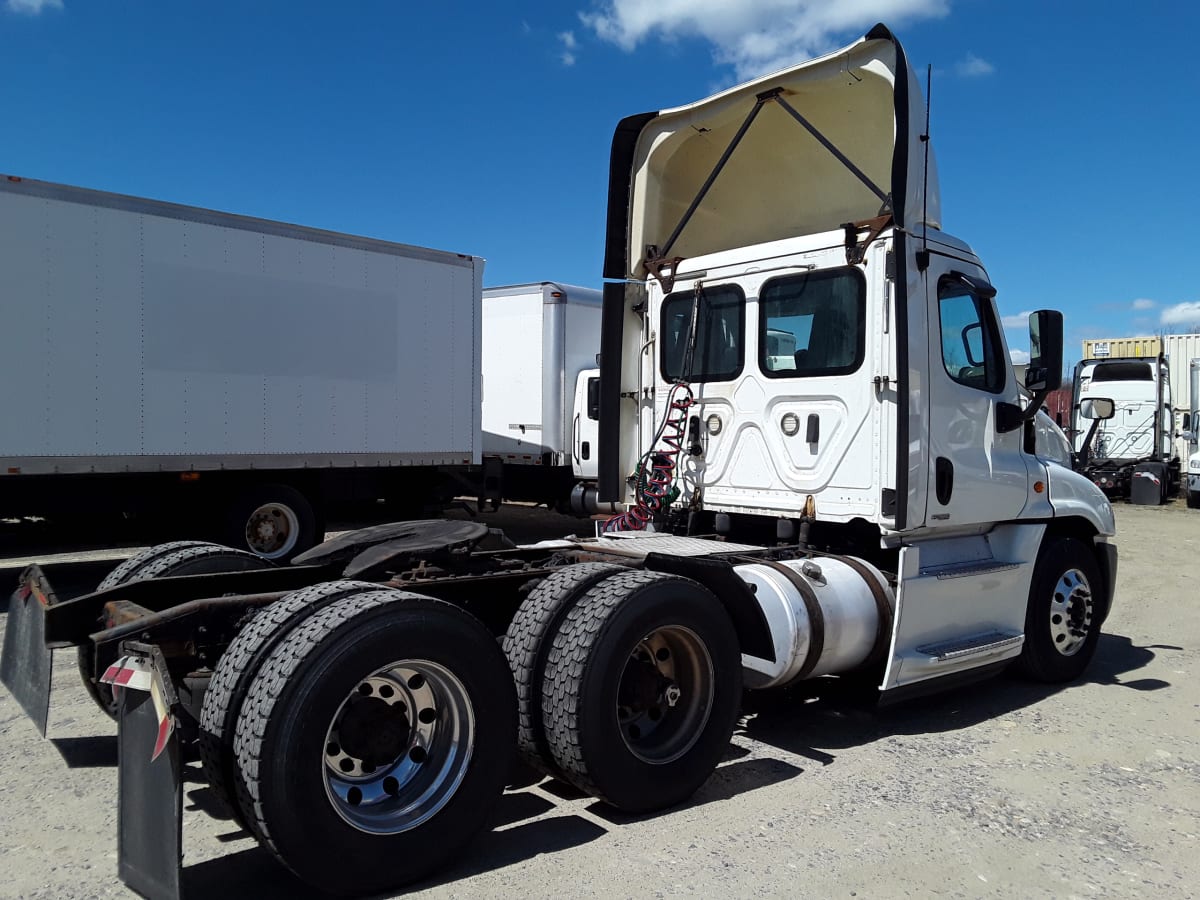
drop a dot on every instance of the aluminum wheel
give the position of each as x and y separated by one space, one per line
398 747
665 695
272 530
1071 611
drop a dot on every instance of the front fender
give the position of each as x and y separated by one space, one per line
1074 495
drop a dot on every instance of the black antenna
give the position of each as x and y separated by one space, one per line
923 262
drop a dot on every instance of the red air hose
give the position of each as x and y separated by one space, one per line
656 470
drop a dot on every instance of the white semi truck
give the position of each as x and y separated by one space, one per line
808 415
234 376
1191 429
1132 454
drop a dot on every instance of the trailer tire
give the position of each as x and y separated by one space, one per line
236 669
161 561
527 643
641 690
128 569
1062 619
275 521
1193 499
329 773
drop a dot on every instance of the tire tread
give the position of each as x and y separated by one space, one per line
527 645
239 664
566 664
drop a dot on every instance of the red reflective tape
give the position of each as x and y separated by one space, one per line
160 743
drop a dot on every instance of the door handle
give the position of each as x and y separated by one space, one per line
943 480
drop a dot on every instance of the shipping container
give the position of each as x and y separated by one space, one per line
1180 349
1123 348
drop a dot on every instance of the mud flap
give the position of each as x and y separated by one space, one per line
26 662
149 776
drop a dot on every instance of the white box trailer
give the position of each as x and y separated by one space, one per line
541 342
163 352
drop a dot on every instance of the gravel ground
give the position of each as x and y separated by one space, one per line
1003 789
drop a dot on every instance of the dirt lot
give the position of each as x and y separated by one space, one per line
1003 789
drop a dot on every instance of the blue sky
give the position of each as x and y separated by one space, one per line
1067 132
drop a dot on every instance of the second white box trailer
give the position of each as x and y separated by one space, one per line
540 414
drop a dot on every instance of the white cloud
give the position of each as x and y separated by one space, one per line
1143 303
569 43
31 7
1019 357
753 36
1181 314
974 67
1020 320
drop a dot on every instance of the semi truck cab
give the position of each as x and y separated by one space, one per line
803 210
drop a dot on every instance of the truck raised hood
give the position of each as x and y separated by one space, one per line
779 180
832 143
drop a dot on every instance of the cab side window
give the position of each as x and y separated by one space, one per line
971 345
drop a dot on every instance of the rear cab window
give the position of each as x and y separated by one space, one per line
716 351
812 324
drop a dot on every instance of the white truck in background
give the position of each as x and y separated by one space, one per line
1191 433
1131 455
808 414
541 384
233 377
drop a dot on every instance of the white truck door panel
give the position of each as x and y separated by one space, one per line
585 428
976 473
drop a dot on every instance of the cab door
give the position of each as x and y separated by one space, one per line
977 471
585 425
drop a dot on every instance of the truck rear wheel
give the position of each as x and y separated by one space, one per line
1062 621
641 690
375 740
527 643
275 521
1193 499
162 561
236 669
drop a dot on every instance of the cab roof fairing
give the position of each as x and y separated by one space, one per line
779 181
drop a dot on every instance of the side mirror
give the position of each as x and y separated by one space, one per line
1045 351
1097 408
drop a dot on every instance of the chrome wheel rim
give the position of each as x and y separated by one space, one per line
272 530
665 694
1071 611
398 747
